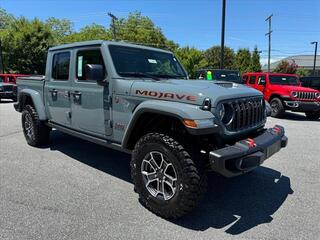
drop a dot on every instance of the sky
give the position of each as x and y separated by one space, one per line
197 23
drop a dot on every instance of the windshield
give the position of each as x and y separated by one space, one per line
138 62
284 80
229 76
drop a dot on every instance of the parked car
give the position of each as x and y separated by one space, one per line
139 100
8 86
311 82
284 92
219 75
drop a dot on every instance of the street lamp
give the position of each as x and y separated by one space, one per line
315 57
222 33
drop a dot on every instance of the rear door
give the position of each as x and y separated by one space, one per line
57 88
90 101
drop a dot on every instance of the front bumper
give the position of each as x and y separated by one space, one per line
247 154
299 106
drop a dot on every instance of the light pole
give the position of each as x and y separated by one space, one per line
315 57
1 58
222 33
113 24
268 19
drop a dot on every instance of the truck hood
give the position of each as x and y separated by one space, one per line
191 91
289 88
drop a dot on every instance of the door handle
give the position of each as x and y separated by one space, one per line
77 97
54 92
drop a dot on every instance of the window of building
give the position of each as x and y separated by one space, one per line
60 66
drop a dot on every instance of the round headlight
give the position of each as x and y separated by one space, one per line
226 113
221 110
317 95
294 94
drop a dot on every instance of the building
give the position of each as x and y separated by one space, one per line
303 61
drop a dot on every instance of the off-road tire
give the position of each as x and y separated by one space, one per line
39 132
191 179
312 115
277 108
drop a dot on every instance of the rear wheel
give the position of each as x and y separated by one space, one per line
35 132
165 177
277 108
313 115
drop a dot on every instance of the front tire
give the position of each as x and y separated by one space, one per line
35 132
277 108
313 115
165 177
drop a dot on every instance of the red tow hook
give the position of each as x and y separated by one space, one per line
277 129
251 143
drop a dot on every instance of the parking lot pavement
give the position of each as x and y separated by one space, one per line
73 189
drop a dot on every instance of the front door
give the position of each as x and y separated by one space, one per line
57 89
90 101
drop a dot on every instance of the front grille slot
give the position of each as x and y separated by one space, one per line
306 95
247 113
7 88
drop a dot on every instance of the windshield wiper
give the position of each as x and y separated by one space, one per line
139 74
169 76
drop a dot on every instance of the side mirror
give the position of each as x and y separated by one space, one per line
262 82
95 72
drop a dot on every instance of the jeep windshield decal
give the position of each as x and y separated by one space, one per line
166 95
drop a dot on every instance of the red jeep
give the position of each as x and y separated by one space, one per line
284 92
8 88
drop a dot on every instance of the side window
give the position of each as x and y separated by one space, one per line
252 79
245 79
261 80
10 79
60 66
85 57
1 79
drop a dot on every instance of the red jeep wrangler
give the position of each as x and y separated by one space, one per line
8 88
284 92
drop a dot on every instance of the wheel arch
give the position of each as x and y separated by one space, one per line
32 97
160 112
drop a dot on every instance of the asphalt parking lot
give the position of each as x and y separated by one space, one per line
73 189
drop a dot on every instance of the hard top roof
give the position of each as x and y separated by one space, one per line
102 42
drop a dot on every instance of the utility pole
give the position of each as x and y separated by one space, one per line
1 58
113 25
315 57
269 35
222 33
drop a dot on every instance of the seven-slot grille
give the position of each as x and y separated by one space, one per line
7 88
306 95
247 113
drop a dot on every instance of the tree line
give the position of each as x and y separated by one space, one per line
25 43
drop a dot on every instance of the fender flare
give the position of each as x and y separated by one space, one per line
174 109
37 102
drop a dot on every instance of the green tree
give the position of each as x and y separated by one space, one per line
26 44
140 29
192 59
255 61
212 56
60 28
91 32
243 60
286 67
5 19
302 72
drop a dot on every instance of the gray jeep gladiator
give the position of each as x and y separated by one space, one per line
139 100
